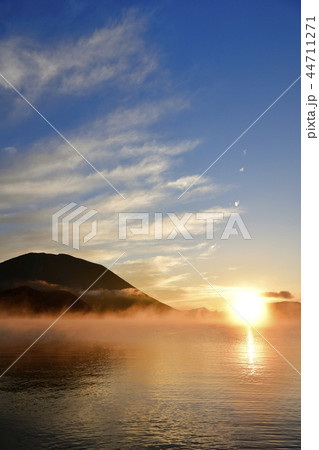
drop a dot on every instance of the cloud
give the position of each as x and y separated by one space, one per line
143 115
183 182
209 251
136 160
153 147
50 168
156 273
282 294
9 150
115 53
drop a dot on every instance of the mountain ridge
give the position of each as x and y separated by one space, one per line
53 269
41 274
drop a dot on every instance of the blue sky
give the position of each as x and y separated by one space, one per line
153 92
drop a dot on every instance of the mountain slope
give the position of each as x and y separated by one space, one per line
61 270
34 280
26 300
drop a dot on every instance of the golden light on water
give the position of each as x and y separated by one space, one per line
249 307
250 347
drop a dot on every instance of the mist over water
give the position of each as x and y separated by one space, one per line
147 382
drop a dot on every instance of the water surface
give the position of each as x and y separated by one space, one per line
200 386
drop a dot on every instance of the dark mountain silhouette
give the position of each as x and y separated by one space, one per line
60 270
285 311
39 282
27 300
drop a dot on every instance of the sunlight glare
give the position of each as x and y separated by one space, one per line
250 307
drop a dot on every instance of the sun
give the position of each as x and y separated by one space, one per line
249 307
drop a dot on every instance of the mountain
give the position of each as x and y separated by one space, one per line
59 270
42 282
26 300
285 311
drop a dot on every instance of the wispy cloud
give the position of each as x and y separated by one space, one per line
183 182
282 294
48 168
143 114
116 53
9 150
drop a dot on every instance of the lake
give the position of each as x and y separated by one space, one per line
124 385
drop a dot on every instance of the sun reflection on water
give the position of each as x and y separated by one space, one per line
251 350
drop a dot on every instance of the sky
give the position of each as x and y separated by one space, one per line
151 94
